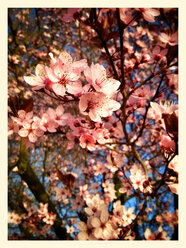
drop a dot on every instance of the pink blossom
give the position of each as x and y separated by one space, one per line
118 212
70 229
49 218
115 161
39 80
173 82
62 194
61 77
126 187
174 164
97 105
12 127
88 141
64 74
103 228
102 135
143 93
172 39
14 218
165 108
137 177
73 138
43 210
167 143
31 130
114 127
23 116
96 75
94 205
70 14
160 235
149 14
86 230
84 191
109 190
128 216
99 168
47 123
158 54
126 16
58 115
173 187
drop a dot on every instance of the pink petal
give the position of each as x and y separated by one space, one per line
32 137
104 216
173 188
72 76
65 58
34 81
154 12
88 75
21 114
156 50
51 75
83 103
94 116
164 52
157 108
82 226
59 110
83 145
80 65
59 89
98 232
82 236
51 129
88 211
74 88
51 113
91 147
148 17
39 132
95 222
29 115
58 68
164 37
40 70
113 105
26 124
23 132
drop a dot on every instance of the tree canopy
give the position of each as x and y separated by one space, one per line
93 123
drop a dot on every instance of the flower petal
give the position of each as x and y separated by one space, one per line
51 75
23 132
32 137
95 222
59 89
34 81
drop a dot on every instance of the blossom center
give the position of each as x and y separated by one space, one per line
63 81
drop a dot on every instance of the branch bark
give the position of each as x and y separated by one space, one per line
27 174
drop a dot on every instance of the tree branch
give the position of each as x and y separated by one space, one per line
27 174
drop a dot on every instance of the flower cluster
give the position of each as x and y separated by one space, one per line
32 127
100 225
101 144
62 78
43 213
